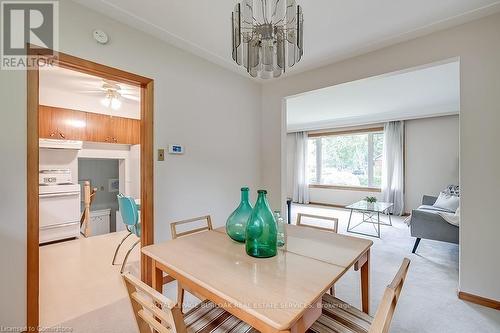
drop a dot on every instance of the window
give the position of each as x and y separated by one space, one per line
346 159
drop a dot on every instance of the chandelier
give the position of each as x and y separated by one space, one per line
267 36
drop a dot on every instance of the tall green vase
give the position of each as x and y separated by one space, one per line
237 222
261 232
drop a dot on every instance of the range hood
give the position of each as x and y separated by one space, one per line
60 144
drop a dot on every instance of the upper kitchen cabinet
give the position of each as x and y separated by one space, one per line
66 124
98 128
125 130
63 124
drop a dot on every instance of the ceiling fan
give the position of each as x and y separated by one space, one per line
113 93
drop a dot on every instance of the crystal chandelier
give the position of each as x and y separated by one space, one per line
267 36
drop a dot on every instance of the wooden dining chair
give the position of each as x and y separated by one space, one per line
156 313
340 317
174 226
334 227
187 230
331 220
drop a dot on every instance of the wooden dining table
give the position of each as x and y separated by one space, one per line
279 294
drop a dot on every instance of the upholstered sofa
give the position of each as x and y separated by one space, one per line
426 223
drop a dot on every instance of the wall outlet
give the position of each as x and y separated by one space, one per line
161 154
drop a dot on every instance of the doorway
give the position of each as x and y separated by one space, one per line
146 164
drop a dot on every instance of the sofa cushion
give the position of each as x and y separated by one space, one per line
433 209
447 202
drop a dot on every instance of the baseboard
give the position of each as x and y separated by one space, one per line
326 204
479 300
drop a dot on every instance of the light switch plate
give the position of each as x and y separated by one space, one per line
161 154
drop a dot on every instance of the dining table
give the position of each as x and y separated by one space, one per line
278 294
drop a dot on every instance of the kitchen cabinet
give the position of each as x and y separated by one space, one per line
66 124
98 128
125 130
59 123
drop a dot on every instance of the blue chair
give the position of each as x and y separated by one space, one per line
130 216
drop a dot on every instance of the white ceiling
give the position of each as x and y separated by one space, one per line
334 29
426 92
70 89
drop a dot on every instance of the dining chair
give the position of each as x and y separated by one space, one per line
333 228
175 225
156 313
130 216
332 220
186 231
338 316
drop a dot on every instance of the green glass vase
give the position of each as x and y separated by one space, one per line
237 222
261 232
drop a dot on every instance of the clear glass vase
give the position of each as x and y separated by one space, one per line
261 232
237 222
281 228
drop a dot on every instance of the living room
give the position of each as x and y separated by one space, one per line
216 121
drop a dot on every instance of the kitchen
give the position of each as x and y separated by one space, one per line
89 153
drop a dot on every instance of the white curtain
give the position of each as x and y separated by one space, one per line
300 182
393 164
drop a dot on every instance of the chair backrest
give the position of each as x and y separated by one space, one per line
206 220
334 222
153 311
128 210
382 320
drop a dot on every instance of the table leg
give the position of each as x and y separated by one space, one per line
349 224
389 213
365 284
157 278
378 224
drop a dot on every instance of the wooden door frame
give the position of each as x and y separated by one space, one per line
147 164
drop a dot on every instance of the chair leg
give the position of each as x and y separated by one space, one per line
128 253
417 241
180 296
118 247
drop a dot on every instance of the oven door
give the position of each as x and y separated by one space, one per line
59 208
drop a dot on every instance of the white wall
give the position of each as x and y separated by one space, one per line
476 43
432 157
213 112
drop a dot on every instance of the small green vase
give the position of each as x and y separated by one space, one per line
237 222
261 232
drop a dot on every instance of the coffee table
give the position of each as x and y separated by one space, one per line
371 214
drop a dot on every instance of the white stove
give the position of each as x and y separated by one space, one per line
59 212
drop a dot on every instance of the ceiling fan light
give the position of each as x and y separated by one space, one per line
106 102
115 103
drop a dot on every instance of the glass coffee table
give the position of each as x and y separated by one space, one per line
371 214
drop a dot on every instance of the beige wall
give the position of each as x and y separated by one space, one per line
477 46
213 112
432 157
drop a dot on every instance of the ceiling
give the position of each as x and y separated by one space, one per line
70 89
418 93
334 29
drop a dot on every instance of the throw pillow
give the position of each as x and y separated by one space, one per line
448 202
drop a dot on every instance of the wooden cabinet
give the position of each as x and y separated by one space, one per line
125 130
46 127
66 124
98 128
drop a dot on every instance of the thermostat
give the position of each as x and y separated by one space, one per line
176 149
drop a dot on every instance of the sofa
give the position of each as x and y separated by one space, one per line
426 223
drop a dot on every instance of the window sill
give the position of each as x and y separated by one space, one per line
346 188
